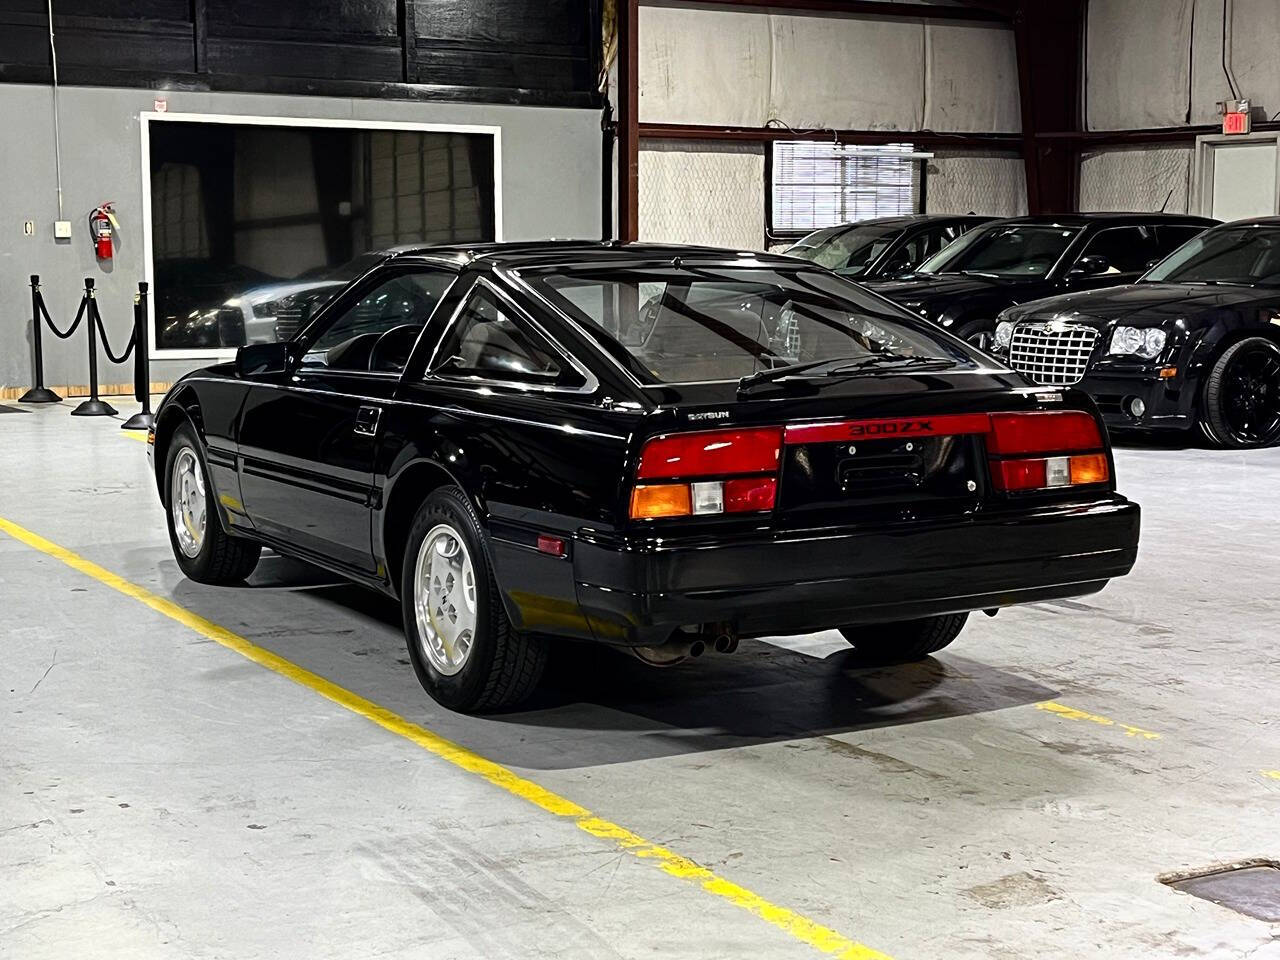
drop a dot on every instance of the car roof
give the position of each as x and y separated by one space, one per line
1254 222
553 252
907 220
1111 218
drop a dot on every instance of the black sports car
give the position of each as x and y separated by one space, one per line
1007 262
1195 341
883 248
660 448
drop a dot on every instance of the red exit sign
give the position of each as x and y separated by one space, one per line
1235 123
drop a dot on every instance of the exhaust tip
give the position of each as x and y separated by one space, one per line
697 648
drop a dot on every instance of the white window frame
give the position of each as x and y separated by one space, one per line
146 118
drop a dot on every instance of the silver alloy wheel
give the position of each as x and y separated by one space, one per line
444 599
188 503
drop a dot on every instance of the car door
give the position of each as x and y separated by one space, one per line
307 435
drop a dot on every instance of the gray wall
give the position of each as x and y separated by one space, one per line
1158 63
550 187
812 69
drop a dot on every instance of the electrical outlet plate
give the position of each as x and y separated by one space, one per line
62 229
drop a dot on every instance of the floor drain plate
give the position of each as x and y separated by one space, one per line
1251 888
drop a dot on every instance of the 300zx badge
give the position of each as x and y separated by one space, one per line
947 424
878 428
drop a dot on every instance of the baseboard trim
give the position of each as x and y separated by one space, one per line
77 390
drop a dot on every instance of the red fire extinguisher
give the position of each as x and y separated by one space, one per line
102 224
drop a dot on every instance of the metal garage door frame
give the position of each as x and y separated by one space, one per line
1201 197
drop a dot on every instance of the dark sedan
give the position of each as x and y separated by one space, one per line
666 449
1195 341
1008 262
885 247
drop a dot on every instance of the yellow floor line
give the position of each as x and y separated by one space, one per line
807 931
1270 774
1071 713
135 435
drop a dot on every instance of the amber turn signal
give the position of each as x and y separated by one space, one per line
1089 468
660 500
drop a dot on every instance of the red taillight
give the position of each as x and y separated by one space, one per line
744 494
1074 436
1049 432
706 462
711 453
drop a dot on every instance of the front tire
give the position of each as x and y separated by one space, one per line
467 654
977 333
903 641
1241 407
205 552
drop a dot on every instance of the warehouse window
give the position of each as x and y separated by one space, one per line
814 184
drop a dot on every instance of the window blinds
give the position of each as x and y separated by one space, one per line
818 184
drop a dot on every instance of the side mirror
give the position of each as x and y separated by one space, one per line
257 359
1090 266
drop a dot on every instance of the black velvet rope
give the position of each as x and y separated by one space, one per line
44 311
106 345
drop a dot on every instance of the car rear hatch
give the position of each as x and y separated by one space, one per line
882 467
887 449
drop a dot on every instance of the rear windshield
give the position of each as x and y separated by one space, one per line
846 248
685 324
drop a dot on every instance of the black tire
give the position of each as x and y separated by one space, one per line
222 559
904 640
503 666
1241 402
977 333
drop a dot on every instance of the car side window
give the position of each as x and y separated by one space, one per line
1126 249
1171 238
377 333
493 341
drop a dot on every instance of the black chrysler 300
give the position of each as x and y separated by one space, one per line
967 283
660 448
1195 341
883 248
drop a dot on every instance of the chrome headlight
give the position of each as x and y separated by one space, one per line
1004 333
1137 342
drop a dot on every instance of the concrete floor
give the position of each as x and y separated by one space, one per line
161 796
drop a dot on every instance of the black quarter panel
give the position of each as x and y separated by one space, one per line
531 463
211 400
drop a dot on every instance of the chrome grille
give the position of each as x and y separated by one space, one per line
1052 354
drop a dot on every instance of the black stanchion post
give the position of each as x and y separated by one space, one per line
39 393
93 407
143 419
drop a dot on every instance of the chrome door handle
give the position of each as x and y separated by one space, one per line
367 421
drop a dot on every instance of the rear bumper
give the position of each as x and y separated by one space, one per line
638 590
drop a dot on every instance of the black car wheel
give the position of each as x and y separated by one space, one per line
1242 395
904 640
205 552
463 647
977 333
